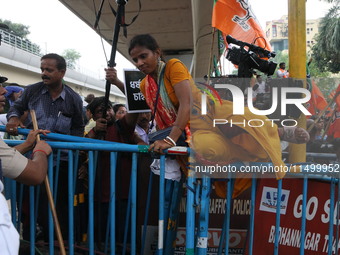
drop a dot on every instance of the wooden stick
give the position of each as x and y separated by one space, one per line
49 195
328 125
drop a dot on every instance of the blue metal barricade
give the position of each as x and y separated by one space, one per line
198 195
196 242
73 145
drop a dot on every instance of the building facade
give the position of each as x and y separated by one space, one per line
277 33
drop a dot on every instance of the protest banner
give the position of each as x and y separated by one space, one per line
135 101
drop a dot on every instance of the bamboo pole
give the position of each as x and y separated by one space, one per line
211 54
327 126
297 63
49 196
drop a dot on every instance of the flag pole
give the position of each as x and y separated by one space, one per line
211 53
328 125
219 36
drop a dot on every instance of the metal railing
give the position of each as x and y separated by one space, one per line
92 147
26 45
19 42
197 234
198 195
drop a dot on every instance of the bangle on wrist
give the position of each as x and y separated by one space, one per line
40 151
171 140
165 140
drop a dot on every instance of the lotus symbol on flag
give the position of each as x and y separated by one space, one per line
242 21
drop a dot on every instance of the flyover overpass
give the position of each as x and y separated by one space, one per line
182 28
20 64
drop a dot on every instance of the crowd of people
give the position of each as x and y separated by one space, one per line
323 134
175 104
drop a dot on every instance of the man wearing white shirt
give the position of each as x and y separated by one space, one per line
143 125
281 72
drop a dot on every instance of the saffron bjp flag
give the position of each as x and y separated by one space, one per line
334 128
337 98
317 100
236 18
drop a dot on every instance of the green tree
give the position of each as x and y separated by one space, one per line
281 56
316 72
16 28
326 52
71 56
18 37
